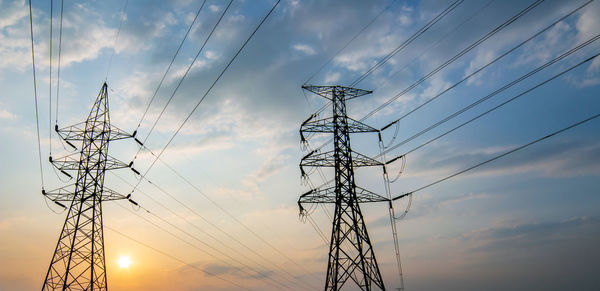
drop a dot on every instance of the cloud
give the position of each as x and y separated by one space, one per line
559 159
12 13
482 58
5 114
528 235
332 77
214 269
588 23
304 48
214 8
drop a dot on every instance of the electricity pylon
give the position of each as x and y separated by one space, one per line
351 254
78 262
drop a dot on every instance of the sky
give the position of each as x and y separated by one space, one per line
527 221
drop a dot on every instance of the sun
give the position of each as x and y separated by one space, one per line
124 262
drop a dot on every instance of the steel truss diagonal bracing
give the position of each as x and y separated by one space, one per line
79 262
351 255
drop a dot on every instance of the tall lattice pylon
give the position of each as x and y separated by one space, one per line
78 262
351 255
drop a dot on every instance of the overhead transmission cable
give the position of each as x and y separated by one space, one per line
404 44
496 107
446 35
50 82
187 118
196 213
565 54
255 273
196 238
496 92
348 42
221 208
174 258
207 92
59 58
171 64
499 156
183 77
488 64
454 58
514 48
407 41
37 119
448 62
114 49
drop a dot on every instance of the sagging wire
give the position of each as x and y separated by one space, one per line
393 137
304 139
401 170
69 178
393 218
53 211
319 231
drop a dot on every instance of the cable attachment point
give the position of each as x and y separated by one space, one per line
410 196
69 143
67 174
135 171
60 204
394 159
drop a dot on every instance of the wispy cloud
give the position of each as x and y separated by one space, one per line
304 48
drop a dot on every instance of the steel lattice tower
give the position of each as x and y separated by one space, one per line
78 262
351 254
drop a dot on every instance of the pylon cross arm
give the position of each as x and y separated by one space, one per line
327 125
328 195
71 163
62 194
76 132
327 159
329 91
117 133
111 195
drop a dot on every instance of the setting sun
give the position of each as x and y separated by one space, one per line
124 262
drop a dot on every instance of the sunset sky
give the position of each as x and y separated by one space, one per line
527 221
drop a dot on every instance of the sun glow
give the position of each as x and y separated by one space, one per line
124 262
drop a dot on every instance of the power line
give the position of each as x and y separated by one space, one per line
216 204
348 43
59 58
407 41
498 91
276 283
171 63
445 36
454 58
214 226
50 82
496 107
173 257
123 11
448 62
414 36
184 76
37 120
488 64
208 91
499 156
